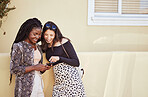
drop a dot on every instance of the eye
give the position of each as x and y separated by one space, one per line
45 34
51 35
39 34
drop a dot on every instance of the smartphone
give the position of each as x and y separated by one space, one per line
49 64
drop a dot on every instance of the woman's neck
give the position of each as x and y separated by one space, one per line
50 44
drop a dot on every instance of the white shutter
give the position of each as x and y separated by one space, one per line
135 6
106 6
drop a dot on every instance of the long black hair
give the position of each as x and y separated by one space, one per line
58 35
25 29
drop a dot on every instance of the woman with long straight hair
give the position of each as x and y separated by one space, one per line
62 56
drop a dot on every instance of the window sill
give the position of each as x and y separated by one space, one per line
118 21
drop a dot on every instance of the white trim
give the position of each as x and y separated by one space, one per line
120 21
123 15
115 18
90 10
120 6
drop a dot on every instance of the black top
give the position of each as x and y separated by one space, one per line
58 51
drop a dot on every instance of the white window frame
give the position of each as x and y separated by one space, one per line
115 18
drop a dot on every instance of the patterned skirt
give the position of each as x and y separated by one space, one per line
67 82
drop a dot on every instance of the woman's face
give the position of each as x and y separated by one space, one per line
49 35
34 35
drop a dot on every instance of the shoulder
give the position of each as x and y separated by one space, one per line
64 40
67 43
17 45
17 48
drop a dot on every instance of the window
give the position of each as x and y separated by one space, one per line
118 12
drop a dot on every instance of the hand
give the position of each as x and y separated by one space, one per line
48 67
54 59
41 67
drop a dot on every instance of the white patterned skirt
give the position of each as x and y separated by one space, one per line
67 81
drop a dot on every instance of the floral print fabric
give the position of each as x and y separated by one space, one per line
22 56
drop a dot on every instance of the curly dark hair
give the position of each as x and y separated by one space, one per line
24 32
26 28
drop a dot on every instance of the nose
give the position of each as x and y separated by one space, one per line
48 37
38 36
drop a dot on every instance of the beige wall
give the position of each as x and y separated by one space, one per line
71 17
107 74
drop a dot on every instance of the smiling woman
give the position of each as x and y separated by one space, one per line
62 56
34 36
26 60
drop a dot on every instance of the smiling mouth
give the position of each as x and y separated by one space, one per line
48 41
35 40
